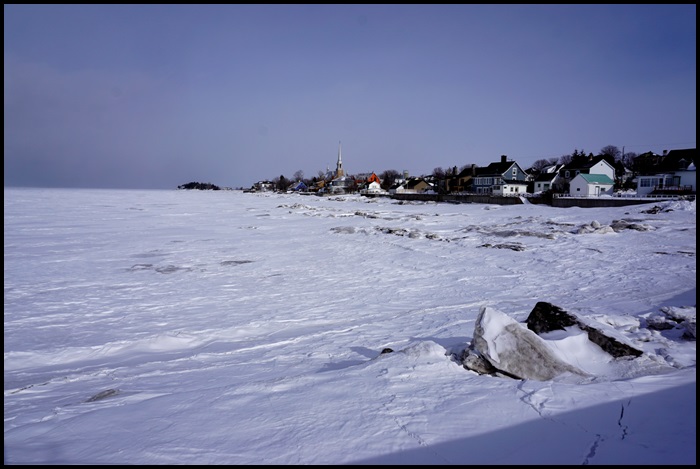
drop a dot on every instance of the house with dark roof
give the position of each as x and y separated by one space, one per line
298 186
417 185
646 163
677 160
462 181
505 176
674 173
548 179
587 165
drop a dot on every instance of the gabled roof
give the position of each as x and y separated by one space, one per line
596 178
586 163
677 160
468 171
496 169
373 177
413 182
687 153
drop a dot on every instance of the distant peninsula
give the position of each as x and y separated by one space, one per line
202 186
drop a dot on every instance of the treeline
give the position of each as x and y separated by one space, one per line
203 186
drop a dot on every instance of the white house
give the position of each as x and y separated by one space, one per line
547 179
603 167
688 177
679 179
341 185
591 185
510 188
648 184
373 188
596 165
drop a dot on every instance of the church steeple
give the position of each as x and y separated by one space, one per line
339 166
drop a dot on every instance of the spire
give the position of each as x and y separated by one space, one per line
339 167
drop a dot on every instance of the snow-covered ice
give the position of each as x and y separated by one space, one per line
217 327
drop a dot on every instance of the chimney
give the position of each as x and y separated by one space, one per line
473 169
503 158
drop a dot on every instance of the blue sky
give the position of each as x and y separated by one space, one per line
154 96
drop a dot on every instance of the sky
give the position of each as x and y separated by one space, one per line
220 327
155 96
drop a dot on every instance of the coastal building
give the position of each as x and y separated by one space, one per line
339 172
340 184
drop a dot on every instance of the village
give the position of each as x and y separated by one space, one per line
586 177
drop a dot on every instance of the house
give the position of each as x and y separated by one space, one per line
264 186
462 181
372 189
366 178
497 174
674 173
510 188
548 179
646 163
397 187
413 185
341 185
299 186
433 183
583 165
587 165
591 185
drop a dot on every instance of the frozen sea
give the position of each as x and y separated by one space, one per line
220 327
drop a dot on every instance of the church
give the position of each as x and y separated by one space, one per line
340 184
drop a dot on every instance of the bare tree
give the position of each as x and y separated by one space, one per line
439 173
628 159
539 165
299 175
565 159
388 178
611 150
